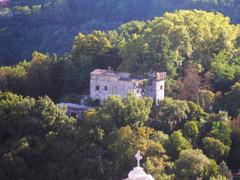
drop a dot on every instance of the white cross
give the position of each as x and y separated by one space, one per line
139 158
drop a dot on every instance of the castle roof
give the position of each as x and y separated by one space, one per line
98 71
126 76
109 71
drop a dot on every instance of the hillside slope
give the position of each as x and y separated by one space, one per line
50 25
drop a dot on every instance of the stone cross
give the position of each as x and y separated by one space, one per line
139 158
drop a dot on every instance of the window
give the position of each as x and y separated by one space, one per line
161 87
97 88
105 88
97 102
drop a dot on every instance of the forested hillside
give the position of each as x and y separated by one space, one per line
203 42
193 134
50 25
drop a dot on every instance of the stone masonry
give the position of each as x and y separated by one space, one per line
106 82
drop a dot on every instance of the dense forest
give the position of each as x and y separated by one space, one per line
50 25
193 134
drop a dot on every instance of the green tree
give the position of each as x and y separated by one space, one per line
14 78
95 46
148 51
170 115
125 142
192 164
191 131
225 68
42 76
215 149
178 39
136 110
206 99
177 143
196 112
116 112
233 157
231 101
220 128
110 113
25 125
224 170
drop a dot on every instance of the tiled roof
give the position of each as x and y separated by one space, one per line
98 71
121 75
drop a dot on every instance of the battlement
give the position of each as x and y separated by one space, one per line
158 76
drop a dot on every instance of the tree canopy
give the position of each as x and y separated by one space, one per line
50 25
188 135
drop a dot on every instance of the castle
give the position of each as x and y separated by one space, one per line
106 82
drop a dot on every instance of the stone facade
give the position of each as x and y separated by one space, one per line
106 82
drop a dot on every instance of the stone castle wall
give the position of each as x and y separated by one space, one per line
105 83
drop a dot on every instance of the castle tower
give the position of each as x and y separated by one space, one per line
157 86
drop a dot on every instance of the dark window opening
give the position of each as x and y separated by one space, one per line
105 88
97 88
161 87
97 102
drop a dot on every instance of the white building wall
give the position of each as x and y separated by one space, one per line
110 84
156 90
113 86
160 88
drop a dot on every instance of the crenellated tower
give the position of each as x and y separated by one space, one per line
156 86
